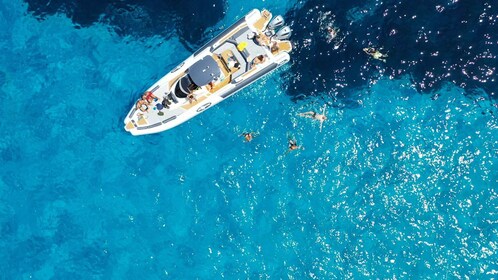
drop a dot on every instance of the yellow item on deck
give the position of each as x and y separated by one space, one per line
241 46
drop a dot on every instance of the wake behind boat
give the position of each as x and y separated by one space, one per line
252 47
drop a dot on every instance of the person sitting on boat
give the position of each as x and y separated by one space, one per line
149 97
210 85
232 63
274 47
252 35
261 39
315 116
376 54
165 103
258 60
142 105
191 98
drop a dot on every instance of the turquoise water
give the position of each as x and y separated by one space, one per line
398 184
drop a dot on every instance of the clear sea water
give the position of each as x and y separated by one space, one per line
401 182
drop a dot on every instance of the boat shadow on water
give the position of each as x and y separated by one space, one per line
431 43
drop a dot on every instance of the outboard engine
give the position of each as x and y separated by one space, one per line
284 33
276 22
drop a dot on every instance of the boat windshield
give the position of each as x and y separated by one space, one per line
184 86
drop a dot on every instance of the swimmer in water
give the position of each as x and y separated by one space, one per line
331 33
293 145
315 116
248 136
376 54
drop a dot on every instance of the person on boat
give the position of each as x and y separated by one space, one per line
191 98
315 116
166 103
274 47
142 105
232 63
261 39
149 97
248 136
376 54
210 85
258 60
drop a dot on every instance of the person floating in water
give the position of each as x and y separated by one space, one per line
315 116
248 136
293 145
332 33
376 54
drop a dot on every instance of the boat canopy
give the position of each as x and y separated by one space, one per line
204 71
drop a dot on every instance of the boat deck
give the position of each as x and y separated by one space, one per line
239 52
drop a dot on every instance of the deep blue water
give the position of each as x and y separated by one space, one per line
401 183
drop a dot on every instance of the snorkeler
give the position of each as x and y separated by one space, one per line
248 136
376 54
331 33
315 116
293 145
